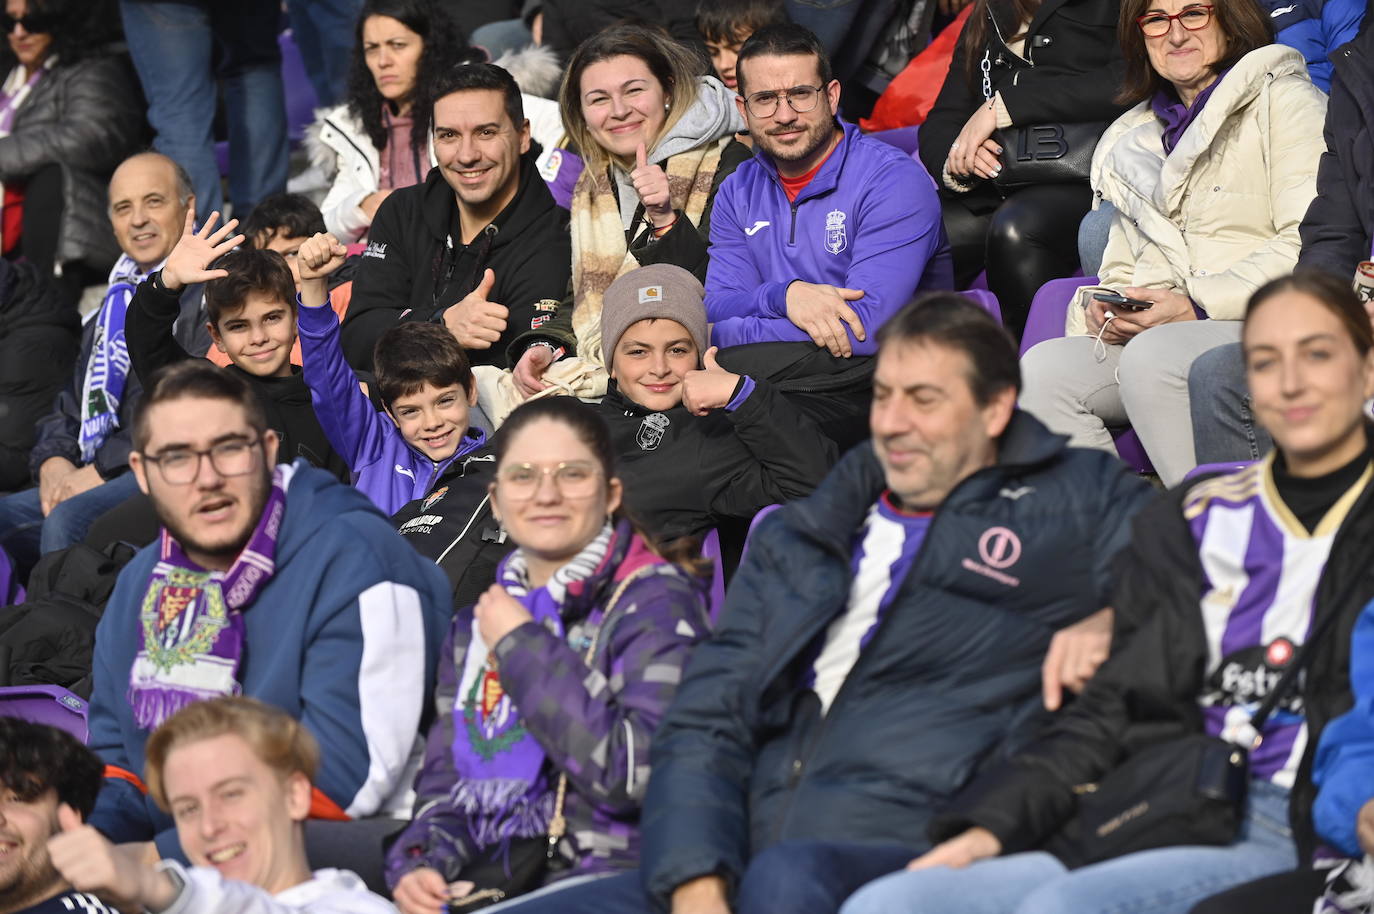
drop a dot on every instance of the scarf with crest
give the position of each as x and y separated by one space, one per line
501 786
192 619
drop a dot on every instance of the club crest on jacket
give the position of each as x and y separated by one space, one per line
835 238
651 431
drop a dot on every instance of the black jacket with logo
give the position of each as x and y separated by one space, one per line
415 265
453 525
685 474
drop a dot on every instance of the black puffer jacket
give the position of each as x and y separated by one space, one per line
1073 71
949 681
415 266
38 342
86 117
1147 691
1339 225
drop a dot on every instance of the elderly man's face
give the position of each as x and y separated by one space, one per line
145 210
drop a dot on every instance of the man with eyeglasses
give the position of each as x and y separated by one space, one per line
276 582
825 233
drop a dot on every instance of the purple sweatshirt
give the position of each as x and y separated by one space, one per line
869 220
595 725
386 468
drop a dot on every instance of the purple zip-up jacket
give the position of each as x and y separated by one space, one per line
387 469
869 219
595 724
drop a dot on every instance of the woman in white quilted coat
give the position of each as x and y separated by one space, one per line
1210 173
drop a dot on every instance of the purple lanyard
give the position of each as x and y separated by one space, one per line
9 104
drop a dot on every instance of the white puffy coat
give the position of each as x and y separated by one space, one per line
1218 217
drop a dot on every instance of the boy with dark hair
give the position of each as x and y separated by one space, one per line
725 25
426 386
250 303
41 770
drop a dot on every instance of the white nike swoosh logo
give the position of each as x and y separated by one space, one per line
405 471
755 227
1016 494
1279 12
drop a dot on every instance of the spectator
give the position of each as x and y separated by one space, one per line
698 445
69 113
725 25
1229 194
1316 31
1019 65
426 388
1199 645
323 31
1337 235
236 775
38 345
578 648
901 659
42 770
82 453
181 49
658 140
844 229
250 301
377 141
282 585
567 25
480 244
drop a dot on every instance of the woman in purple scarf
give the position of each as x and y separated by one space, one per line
551 687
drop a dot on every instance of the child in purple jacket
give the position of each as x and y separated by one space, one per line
424 380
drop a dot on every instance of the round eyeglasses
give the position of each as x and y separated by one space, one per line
180 466
800 99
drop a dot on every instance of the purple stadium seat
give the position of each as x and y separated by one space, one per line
1046 318
985 300
11 588
1132 452
904 138
46 704
1203 469
710 549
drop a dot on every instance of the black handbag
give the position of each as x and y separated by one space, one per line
1184 791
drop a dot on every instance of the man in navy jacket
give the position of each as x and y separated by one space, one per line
824 233
882 640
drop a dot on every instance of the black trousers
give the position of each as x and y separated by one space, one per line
1022 241
1283 893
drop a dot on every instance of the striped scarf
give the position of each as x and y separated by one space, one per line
107 371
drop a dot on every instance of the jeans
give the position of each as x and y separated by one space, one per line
1143 384
27 535
1224 427
324 33
1167 880
794 877
1092 237
173 45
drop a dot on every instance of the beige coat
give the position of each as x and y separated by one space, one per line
1218 217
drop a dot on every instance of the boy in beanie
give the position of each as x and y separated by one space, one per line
697 445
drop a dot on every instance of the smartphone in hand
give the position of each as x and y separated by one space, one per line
1121 301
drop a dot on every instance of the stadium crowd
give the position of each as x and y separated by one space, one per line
756 456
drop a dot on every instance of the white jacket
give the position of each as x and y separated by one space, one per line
329 892
1218 217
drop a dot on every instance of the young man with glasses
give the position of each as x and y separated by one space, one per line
824 234
275 582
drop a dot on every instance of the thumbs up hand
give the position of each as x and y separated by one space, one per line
113 873
651 184
709 387
476 322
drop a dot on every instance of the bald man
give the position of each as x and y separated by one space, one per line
80 463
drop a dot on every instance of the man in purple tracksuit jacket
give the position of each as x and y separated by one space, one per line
825 233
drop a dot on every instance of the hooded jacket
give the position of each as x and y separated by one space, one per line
1147 691
1338 230
344 637
285 401
685 474
1315 28
1218 217
415 266
86 117
949 681
383 463
869 219
39 337
595 724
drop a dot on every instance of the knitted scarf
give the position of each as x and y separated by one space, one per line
192 619
108 369
501 788
600 249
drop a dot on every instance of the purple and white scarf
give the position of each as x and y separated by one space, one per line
108 369
192 619
501 788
